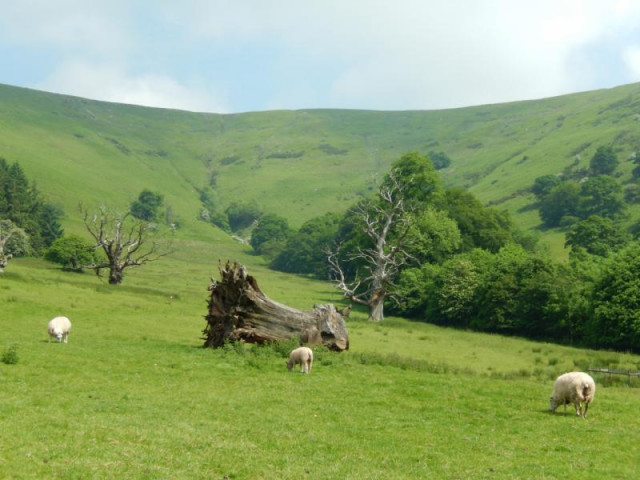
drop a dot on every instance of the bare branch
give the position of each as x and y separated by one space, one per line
125 242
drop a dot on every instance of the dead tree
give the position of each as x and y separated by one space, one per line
386 223
125 241
240 312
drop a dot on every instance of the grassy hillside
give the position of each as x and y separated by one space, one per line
303 163
133 396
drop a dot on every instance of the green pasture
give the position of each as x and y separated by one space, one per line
133 394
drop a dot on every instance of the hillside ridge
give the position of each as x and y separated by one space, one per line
302 163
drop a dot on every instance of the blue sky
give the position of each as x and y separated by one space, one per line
230 56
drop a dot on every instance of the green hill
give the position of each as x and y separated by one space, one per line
303 163
132 395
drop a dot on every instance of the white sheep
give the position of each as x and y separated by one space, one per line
59 327
577 388
303 356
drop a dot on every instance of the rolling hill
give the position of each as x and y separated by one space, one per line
133 394
303 163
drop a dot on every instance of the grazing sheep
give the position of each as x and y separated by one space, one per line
59 327
573 387
303 356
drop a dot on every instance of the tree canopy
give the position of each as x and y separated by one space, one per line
597 235
21 203
604 161
147 206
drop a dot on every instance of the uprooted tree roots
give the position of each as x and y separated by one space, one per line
240 311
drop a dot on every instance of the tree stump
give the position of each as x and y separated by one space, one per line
240 311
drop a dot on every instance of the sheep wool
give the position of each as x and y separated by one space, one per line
577 388
59 327
302 356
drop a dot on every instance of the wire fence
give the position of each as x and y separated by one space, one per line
616 371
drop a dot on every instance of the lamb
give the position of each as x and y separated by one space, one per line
303 356
59 327
573 387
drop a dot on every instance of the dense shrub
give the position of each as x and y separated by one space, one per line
306 249
616 303
147 206
242 215
270 235
72 252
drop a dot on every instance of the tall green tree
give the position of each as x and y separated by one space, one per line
601 195
560 204
306 250
21 203
147 206
597 236
604 161
479 226
270 234
417 180
543 185
515 292
615 321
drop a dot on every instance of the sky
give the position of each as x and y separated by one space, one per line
232 56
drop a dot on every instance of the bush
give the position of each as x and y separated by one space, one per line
72 252
10 355
147 205
242 215
270 235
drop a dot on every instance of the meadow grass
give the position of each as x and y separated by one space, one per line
133 394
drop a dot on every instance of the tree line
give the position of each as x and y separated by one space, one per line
28 223
31 226
455 262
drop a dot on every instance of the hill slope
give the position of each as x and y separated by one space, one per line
303 163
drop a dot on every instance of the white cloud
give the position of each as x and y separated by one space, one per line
101 27
417 54
113 84
632 60
406 54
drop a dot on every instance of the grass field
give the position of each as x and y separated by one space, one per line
132 395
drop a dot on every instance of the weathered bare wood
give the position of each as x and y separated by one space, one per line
240 311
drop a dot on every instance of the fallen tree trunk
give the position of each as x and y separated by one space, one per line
240 311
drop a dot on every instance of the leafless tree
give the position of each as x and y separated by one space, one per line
386 223
125 241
